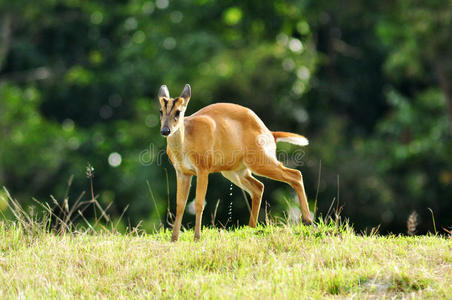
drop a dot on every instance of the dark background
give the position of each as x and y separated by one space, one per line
368 82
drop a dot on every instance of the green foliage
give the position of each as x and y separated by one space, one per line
366 83
418 34
420 127
412 145
33 148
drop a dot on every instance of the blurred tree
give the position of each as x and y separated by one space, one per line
367 82
414 137
411 146
97 66
418 34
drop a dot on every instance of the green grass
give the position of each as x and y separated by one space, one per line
273 262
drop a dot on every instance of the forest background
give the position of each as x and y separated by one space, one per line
368 82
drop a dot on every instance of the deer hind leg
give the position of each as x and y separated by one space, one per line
276 170
255 188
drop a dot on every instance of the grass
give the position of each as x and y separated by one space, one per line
272 262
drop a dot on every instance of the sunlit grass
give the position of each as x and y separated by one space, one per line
283 262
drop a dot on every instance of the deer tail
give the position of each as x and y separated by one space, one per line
291 138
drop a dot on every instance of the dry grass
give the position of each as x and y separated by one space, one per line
49 256
273 262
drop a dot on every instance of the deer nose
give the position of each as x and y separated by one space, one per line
165 131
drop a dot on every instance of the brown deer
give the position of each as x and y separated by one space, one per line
226 138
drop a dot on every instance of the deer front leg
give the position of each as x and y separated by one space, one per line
201 188
183 189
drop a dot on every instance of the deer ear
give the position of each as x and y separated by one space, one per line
163 92
186 93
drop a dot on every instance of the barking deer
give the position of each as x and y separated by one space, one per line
226 138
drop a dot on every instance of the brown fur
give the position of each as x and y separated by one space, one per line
226 138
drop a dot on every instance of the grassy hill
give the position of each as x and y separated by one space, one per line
280 262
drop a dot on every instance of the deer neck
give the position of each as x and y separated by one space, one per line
175 142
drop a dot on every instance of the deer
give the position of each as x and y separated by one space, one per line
226 138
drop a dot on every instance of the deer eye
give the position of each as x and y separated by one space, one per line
161 113
177 114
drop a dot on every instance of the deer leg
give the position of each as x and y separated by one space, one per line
256 189
292 177
183 189
201 189
252 186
